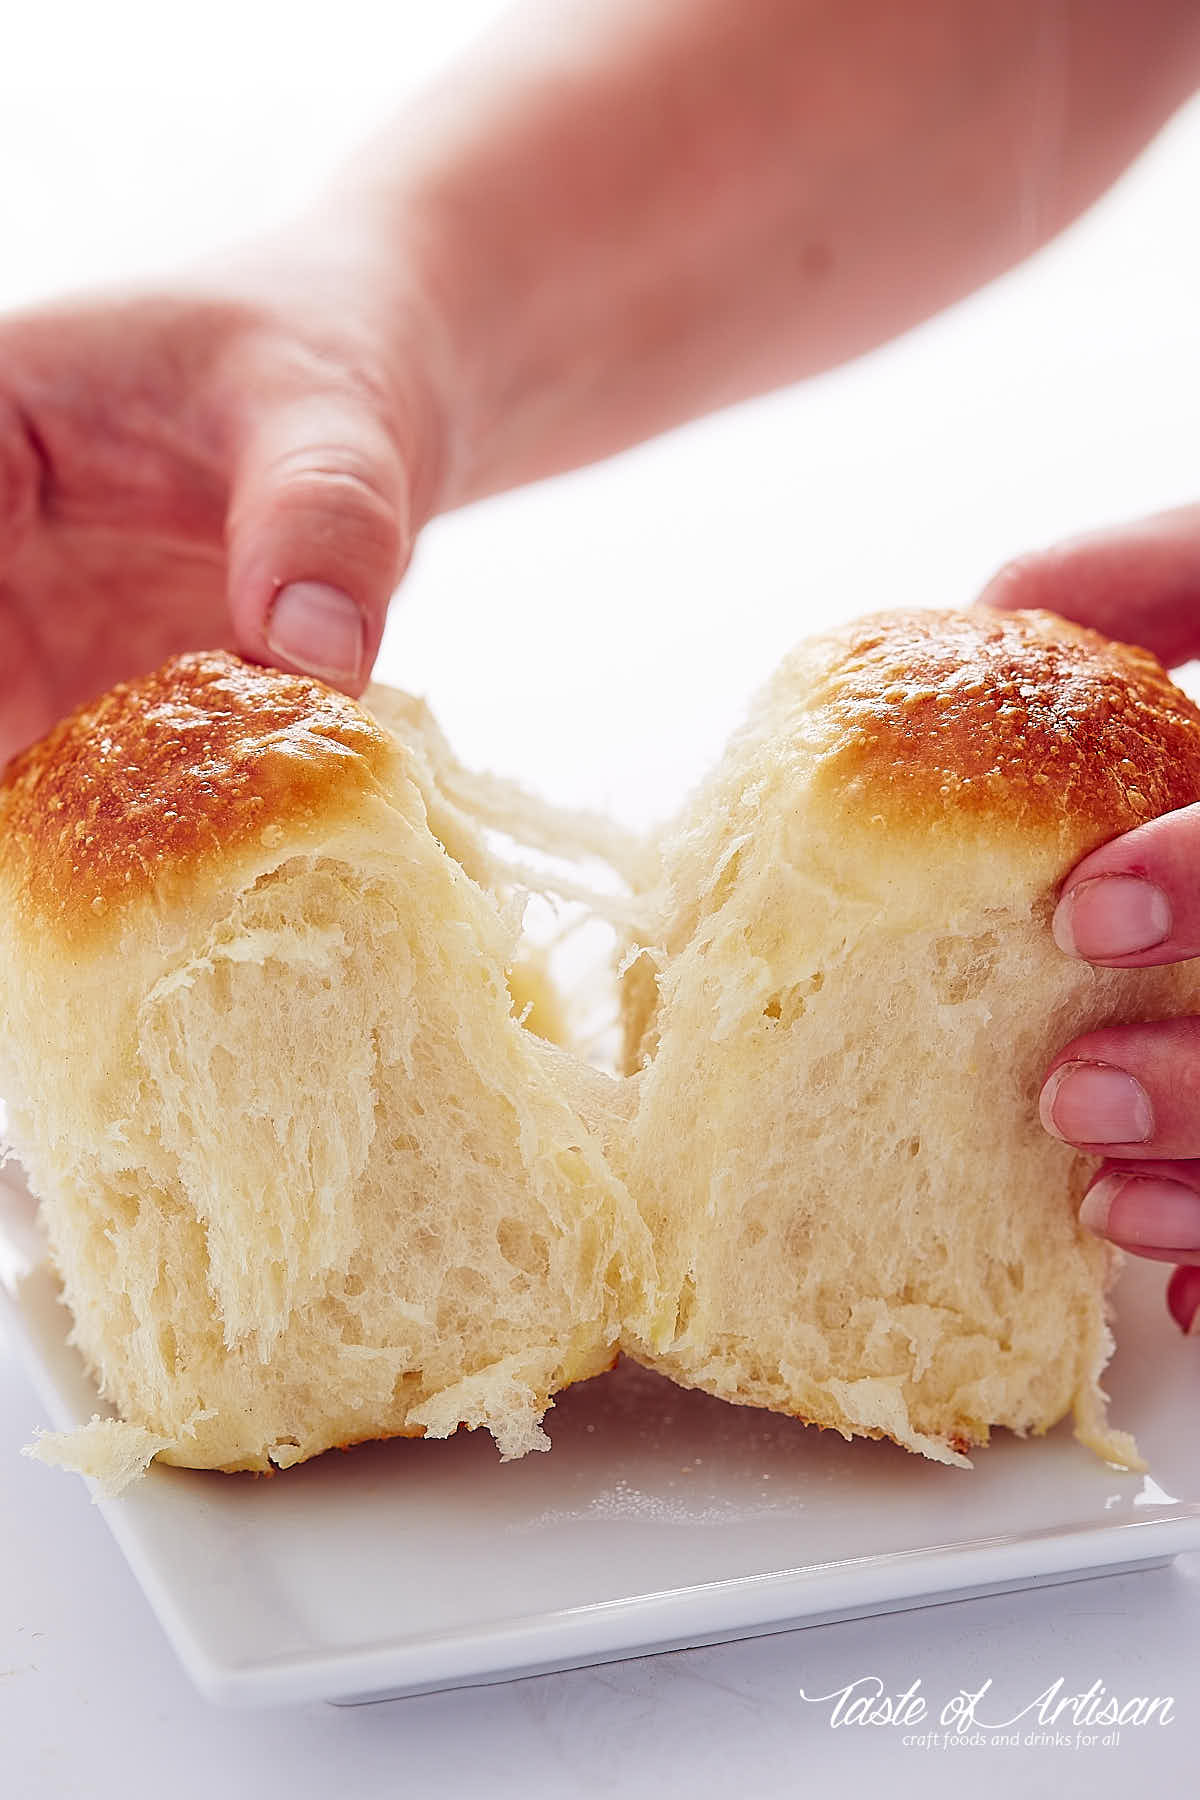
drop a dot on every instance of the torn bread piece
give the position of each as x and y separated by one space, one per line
840 1012
305 1176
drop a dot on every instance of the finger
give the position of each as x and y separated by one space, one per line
1149 1208
1183 1299
1139 583
1136 900
1128 1091
318 538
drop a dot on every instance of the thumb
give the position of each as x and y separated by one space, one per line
1139 583
317 536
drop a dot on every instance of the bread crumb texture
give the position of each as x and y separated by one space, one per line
308 1180
111 1452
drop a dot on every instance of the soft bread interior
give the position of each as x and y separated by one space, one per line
846 1229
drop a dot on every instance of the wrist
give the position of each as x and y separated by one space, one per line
430 310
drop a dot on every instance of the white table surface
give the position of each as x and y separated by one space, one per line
597 637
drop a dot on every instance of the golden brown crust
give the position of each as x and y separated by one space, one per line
1017 716
139 790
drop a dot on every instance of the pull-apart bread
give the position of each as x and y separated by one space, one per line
308 1179
846 1014
305 1177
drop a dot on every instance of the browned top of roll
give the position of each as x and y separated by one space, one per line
1021 717
165 774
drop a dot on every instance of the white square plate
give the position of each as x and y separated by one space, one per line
660 1518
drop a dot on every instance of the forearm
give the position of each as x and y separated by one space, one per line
632 211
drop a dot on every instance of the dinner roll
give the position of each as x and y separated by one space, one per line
842 1006
306 1177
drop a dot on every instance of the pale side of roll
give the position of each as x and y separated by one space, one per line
306 1178
846 998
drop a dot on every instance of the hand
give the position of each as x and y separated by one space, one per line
1131 1093
243 463
589 230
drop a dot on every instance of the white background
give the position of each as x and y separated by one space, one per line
597 636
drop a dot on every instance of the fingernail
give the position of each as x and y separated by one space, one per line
1112 915
318 629
1143 1210
1183 1299
1091 1103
